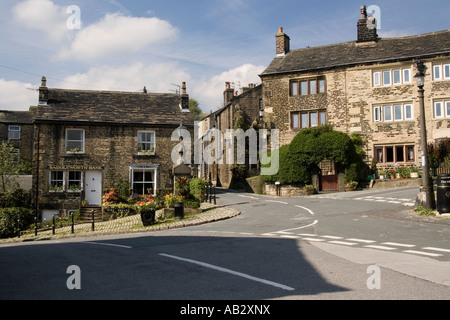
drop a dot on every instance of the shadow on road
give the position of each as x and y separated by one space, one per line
133 268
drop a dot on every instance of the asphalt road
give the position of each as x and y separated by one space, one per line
358 245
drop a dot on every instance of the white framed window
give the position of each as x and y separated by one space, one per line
437 72
447 109
397 76
438 109
14 132
377 114
387 111
446 71
56 183
408 112
406 75
75 181
386 78
377 79
74 141
143 179
146 142
398 112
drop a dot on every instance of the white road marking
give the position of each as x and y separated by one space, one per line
332 237
276 201
424 253
379 247
251 197
309 225
239 274
345 243
109 244
436 249
314 239
310 211
361 240
395 244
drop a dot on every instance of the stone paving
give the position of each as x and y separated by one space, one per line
130 224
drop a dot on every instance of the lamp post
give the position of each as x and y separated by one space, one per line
427 189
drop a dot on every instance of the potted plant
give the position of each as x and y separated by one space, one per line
414 172
309 189
392 173
84 203
382 174
147 209
351 186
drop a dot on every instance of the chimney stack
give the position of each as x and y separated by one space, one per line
282 43
43 92
367 28
184 98
228 94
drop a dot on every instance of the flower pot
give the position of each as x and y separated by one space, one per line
148 217
414 174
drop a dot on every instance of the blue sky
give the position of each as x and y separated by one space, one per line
126 45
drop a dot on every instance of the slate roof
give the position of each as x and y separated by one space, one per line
15 117
114 107
353 53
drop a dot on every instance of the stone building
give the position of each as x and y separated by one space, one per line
365 86
240 111
88 141
16 128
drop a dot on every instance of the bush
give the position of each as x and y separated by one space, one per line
198 188
11 218
16 198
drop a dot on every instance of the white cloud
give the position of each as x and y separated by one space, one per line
209 92
117 34
14 95
42 15
155 77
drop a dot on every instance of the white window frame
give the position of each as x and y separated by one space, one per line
377 79
394 107
144 168
69 181
387 72
152 149
52 181
447 108
377 114
438 105
446 71
385 113
82 141
437 68
399 71
405 113
406 73
14 132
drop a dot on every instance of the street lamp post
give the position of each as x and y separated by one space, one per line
427 189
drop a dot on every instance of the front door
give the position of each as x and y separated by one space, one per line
93 188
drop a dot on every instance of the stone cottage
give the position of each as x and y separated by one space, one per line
87 141
365 86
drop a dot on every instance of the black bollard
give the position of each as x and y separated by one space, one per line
93 219
214 188
72 228
35 226
53 225
18 227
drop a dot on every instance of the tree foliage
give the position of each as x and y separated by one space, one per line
299 160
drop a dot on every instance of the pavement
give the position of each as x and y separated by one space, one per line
130 224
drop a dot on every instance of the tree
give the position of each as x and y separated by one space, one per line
195 110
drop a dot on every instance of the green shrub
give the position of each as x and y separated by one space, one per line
198 188
11 218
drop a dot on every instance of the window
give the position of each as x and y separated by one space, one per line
143 180
438 112
437 72
397 76
56 181
377 79
386 78
74 141
306 87
387 111
14 132
146 142
75 181
447 109
446 71
394 153
397 112
392 77
406 75
308 119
